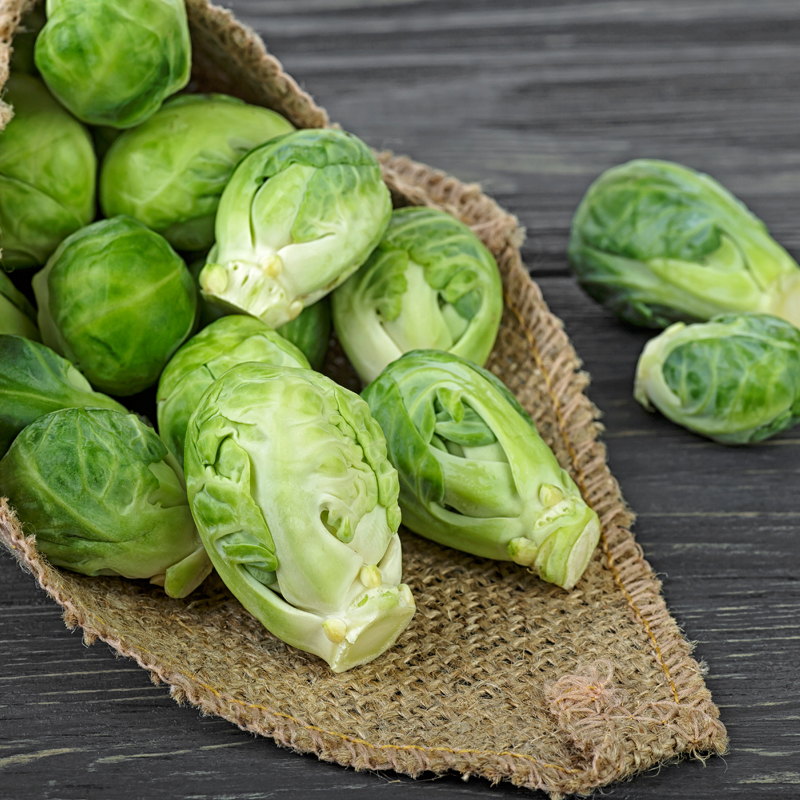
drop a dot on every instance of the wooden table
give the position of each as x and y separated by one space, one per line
532 99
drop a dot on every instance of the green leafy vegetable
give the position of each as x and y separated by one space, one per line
735 379
105 497
474 473
297 506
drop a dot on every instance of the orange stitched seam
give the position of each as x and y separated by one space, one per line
582 480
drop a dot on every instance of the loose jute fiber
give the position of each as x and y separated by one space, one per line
499 674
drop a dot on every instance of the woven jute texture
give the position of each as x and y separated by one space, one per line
499 674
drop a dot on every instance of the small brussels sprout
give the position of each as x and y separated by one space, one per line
207 356
474 473
105 497
300 214
114 63
47 175
430 284
311 331
169 172
16 313
735 379
24 40
659 243
117 301
297 506
35 381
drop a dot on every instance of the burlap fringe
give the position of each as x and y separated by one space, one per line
593 718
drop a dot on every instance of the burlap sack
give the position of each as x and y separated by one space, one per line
499 674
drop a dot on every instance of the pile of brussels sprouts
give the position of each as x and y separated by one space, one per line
290 486
664 246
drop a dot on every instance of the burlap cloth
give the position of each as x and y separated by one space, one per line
499 674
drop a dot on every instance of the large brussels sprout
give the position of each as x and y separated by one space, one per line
659 243
735 379
16 313
170 171
430 284
105 497
207 356
297 506
35 381
474 472
47 175
113 63
300 214
117 301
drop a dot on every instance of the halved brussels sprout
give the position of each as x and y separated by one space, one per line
170 171
47 175
207 356
105 497
735 379
35 381
297 506
117 301
657 243
300 214
474 472
430 284
16 313
114 63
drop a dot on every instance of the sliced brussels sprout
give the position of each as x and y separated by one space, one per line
117 301
430 284
735 379
297 506
16 313
35 381
207 356
658 243
170 171
300 214
474 473
47 175
114 63
105 497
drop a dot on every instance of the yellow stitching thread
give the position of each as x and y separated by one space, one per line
582 480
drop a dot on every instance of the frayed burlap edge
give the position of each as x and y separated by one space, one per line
230 52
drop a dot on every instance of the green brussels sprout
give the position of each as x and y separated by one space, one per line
16 313
300 214
114 63
311 332
430 284
204 358
735 379
117 301
659 243
24 40
474 472
297 506
35 381
47 175
105 497
169 172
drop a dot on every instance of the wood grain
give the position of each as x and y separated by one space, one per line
533 100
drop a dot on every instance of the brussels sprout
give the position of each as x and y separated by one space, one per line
105 497
474 472
47 175
204 358
117 301
16 313
430 284
113 63
35 381
657 243
735 379
300 214
311 331
297 506
24 40
169 172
